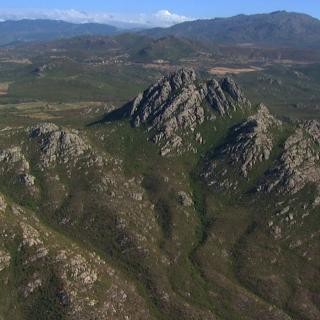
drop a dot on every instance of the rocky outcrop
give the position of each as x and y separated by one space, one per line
78 268
59 145
13 160
253 140
41 70
184 199
177 104
43 129
150 104
3 203
299 163
5 259
13 157
27 179
225 96
250 143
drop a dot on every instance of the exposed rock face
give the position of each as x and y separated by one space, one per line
184 199
225 96
250 144
253 140
32 286
59 145
27 179
152 103
3 203
13 160
176 104
299 163
42 129
5 259
79 269
13 157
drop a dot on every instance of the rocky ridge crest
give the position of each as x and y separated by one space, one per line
13 160
254 141
299 164
250 143
178 103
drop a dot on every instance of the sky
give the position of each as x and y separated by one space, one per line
147 12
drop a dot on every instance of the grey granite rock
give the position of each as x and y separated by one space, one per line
177 102
250 143
299 162
5 259
253 140
184 199
59 145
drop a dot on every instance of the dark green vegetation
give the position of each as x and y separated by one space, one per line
288 90
215 259
113 69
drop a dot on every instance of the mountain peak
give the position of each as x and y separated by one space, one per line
249 144
179 102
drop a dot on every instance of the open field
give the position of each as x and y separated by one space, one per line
15 61
226 70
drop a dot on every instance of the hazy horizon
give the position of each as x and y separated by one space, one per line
145 13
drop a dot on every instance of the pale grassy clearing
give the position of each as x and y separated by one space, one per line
229 70
159 66
41 116
16 61
4 87
45 106
42 111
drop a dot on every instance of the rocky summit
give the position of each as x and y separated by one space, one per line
58 145
299 162
248 144
178 103
254 145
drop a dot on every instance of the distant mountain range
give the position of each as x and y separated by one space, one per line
45 30
279 28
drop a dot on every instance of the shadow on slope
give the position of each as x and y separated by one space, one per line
113 116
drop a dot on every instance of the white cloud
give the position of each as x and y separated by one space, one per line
162 18
167 18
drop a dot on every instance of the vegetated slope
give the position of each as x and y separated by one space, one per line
136 48
187 203
46 30
170 49
275 29
289 91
